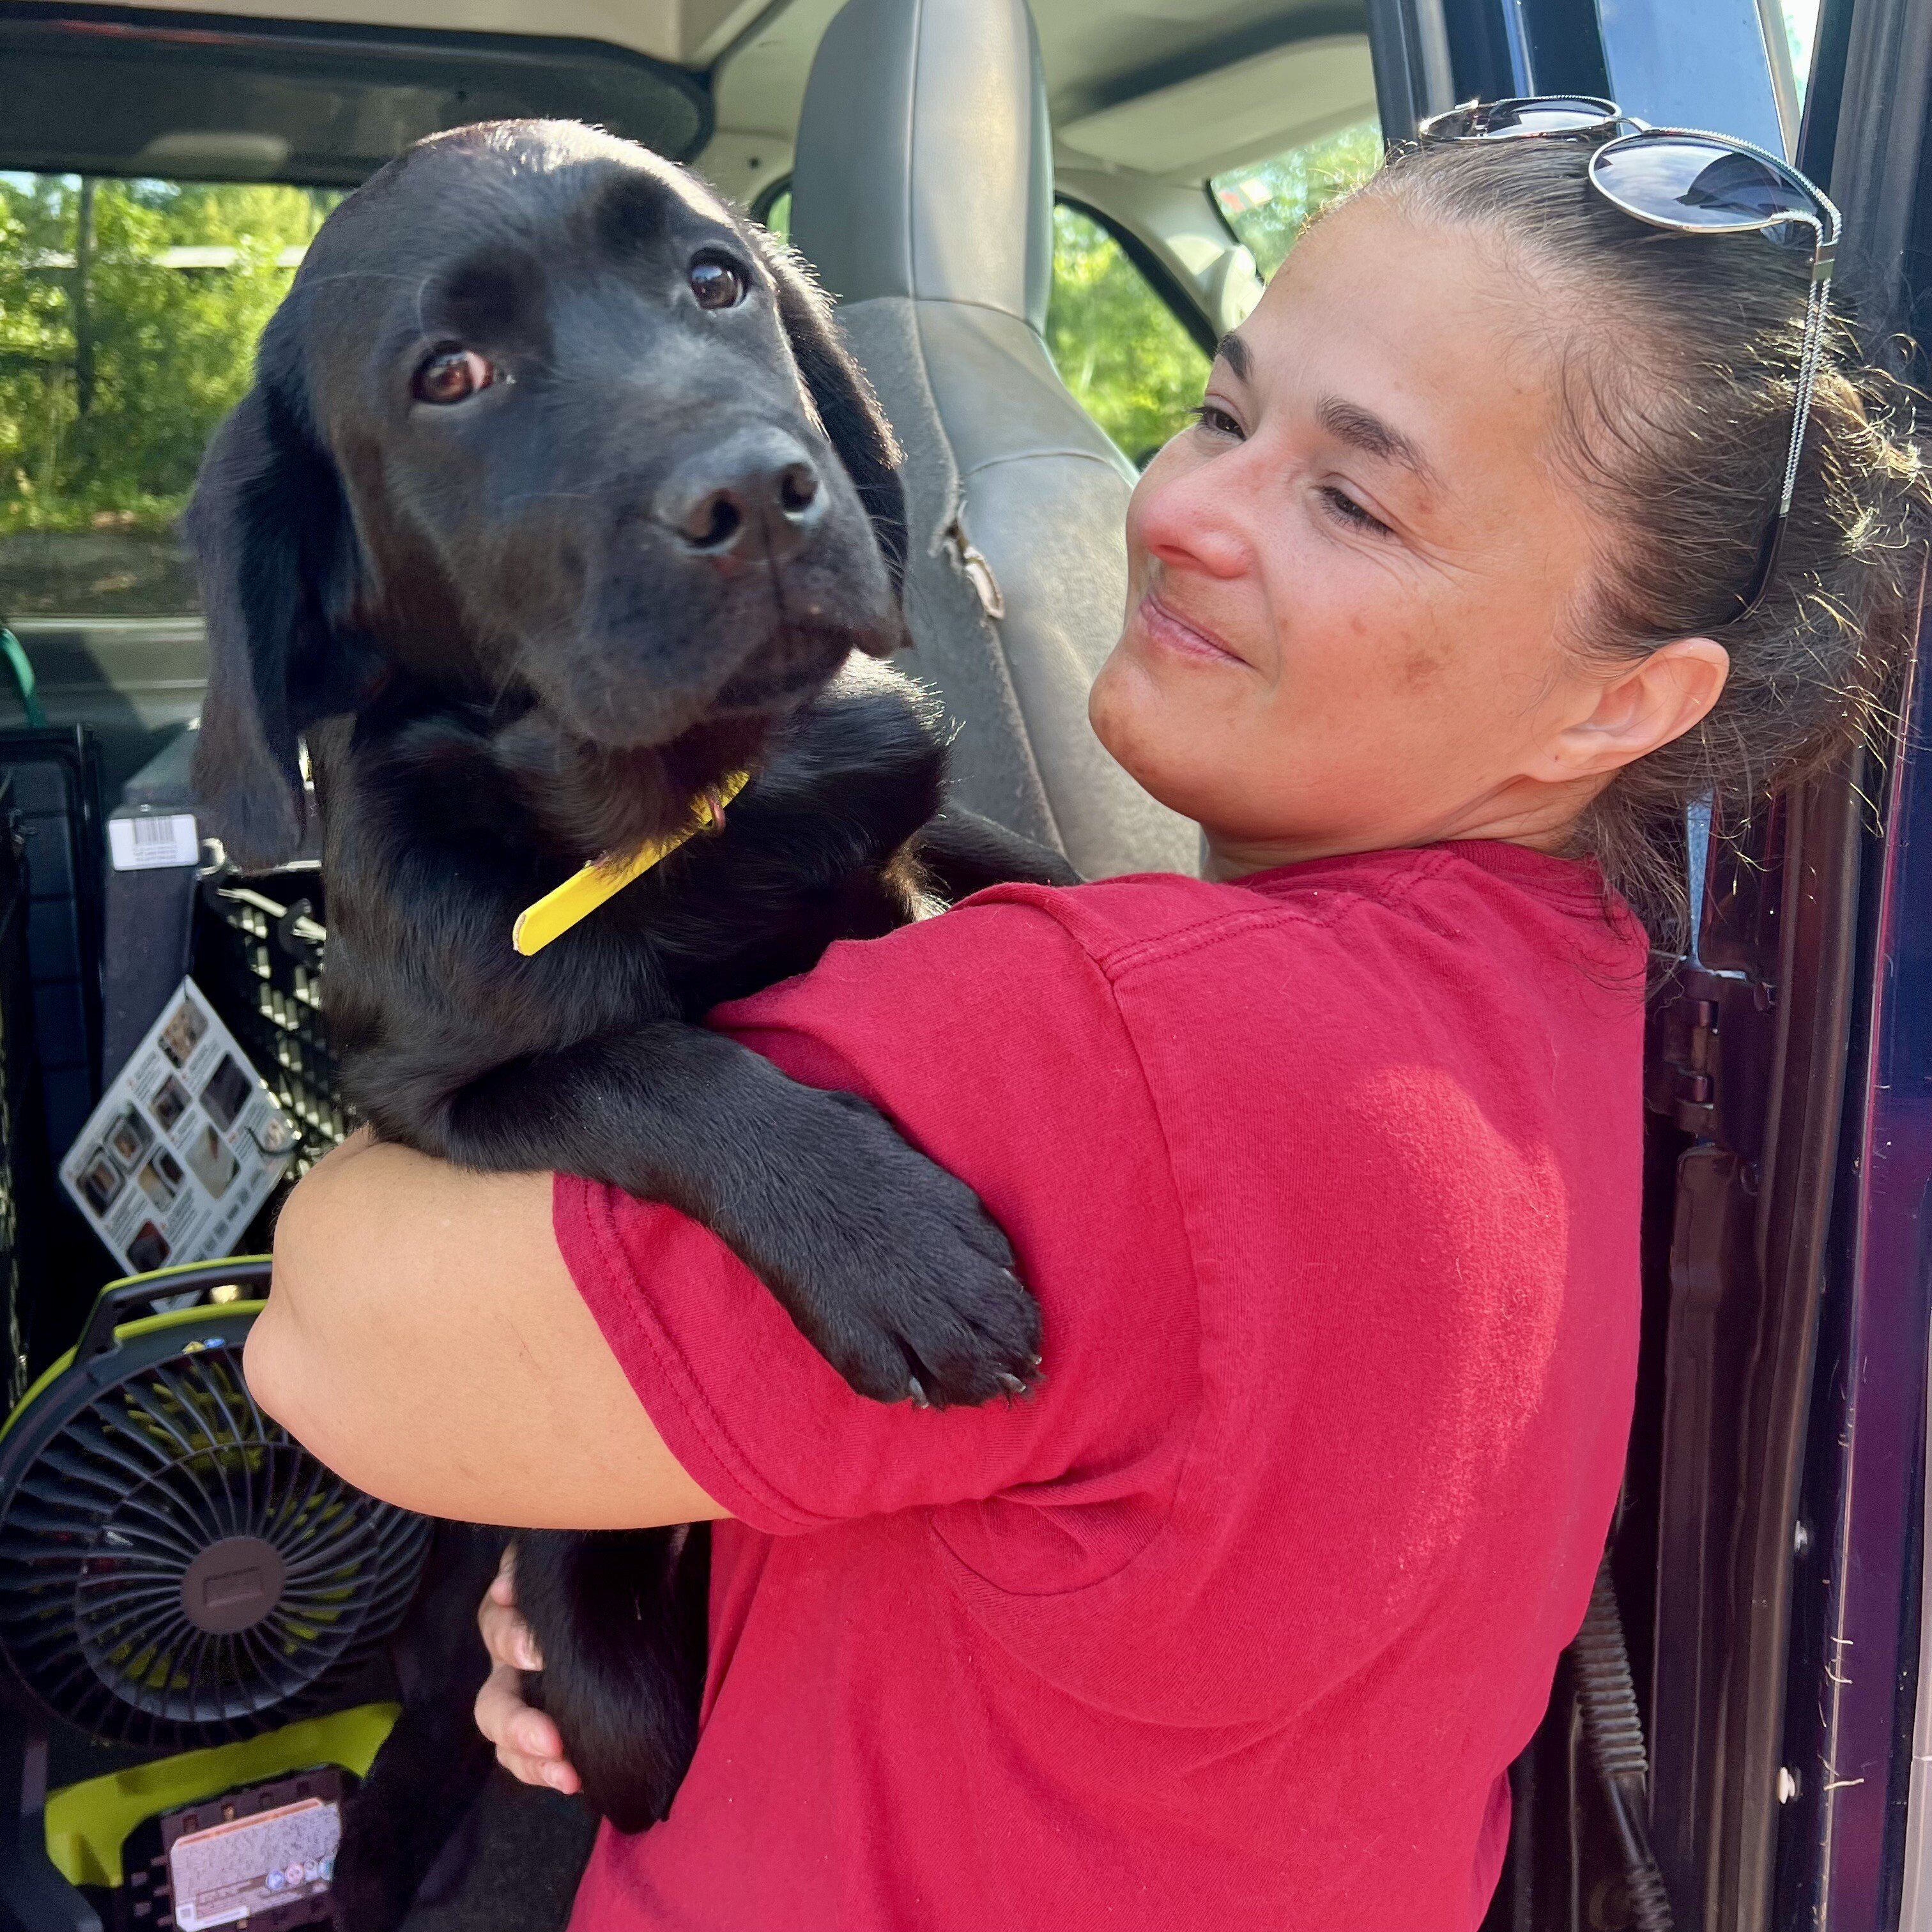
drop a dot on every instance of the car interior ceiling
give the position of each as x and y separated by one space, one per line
1145 106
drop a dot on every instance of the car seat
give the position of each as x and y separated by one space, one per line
922 192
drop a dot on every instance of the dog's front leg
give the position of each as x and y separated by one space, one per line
890 1266
432 1768
620 1618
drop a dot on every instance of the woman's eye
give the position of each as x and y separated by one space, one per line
452 375
716 284
1216 420
1345 509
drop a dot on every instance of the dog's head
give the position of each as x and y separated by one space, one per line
541 416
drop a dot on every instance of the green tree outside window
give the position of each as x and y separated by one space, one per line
1117 345
129 312
778 217
1266 202
1801 31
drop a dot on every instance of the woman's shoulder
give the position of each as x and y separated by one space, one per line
1054 950
1123 921
1107 919
1017 938
1063 971
1324 914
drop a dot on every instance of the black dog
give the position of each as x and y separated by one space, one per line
556 501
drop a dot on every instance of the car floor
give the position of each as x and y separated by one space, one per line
530 1849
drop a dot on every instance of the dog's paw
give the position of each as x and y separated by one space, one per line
910 1293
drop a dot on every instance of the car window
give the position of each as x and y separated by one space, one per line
776 213
1266 202
1116 343
1117 346
128 315
1801 28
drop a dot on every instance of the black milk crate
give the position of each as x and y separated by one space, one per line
259 943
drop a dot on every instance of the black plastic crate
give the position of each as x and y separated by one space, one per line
259 944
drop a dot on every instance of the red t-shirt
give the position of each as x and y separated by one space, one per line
1328 1182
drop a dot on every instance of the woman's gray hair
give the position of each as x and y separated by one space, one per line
1679 358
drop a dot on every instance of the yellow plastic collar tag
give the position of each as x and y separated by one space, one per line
583 891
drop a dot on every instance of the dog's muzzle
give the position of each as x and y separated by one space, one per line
754 500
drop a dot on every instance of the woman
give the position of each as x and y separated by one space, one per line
1325 1168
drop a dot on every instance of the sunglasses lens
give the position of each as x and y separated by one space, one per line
1686 182
1553 114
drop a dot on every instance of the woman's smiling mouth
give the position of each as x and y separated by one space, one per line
1174 633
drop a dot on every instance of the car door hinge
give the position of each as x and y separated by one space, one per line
1685 1065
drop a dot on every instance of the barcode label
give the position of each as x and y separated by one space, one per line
136 844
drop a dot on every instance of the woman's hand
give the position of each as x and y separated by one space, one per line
527 1744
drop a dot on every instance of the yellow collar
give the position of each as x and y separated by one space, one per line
583 891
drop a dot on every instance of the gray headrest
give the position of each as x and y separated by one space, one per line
924 163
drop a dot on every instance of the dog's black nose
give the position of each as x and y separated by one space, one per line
751 500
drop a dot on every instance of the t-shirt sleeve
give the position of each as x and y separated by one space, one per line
994 1043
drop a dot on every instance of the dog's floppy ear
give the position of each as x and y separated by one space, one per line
270 535
850 412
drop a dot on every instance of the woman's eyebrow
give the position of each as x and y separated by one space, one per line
1350 423
1233 351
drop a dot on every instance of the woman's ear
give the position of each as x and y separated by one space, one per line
853 421
269 533
1646 703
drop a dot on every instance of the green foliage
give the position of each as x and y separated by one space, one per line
1266 202
1801 30
117 358
1117 345
1135 369
778 217
114 366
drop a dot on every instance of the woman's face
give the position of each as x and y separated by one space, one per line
1349 580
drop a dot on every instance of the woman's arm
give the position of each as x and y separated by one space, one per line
425 1339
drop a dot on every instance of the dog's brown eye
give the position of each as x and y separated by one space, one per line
452 375
716 285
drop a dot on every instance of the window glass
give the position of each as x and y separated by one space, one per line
1266 202
1801 27
778 217
128 315
1117 345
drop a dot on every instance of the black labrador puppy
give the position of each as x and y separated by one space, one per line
556 503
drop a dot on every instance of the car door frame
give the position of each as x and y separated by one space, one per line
1761 1555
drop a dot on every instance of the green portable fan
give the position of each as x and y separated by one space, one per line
175 1571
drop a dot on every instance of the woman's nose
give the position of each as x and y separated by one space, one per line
1187 513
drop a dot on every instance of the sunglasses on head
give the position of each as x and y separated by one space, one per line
1693 183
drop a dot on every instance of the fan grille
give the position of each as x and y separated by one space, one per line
112 1547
